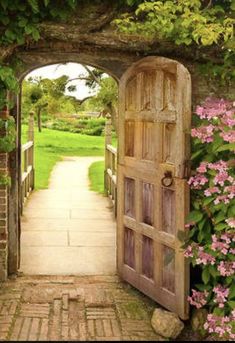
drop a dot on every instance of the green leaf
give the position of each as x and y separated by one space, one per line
213 271
232 6
221 226
206 276
229 146
218 311
207 201
231 304
34 5
194 216
232 292
231 211
219 217
200 236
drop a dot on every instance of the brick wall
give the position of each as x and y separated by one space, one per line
3 219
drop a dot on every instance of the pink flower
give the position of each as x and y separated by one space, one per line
220 178
220 325
231 222
200 112
198 299
222 198
218 245
188 225
188 252
197 181
209 191
226 268
202 168
228 136
221 295
220 166
204 258
204 133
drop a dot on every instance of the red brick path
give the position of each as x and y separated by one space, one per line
73 308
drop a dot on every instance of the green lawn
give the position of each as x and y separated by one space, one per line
51 145
96 176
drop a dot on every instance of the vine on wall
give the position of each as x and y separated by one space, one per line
188 23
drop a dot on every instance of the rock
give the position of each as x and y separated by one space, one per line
198 320
166 324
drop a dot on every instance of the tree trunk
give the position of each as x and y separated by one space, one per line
112 109
39 119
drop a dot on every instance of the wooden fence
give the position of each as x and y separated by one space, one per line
110 173
27 163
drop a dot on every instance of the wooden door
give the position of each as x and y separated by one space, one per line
153 195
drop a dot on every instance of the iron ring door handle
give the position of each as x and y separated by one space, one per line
167 179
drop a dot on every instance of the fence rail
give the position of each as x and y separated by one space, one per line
27 163
110 174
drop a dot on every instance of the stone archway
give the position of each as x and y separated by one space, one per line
14 210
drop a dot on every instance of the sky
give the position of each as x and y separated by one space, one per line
71 69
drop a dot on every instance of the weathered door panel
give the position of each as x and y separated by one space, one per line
153 195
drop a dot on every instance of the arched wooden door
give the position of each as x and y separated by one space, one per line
153 195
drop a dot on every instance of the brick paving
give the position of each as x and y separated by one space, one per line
57 308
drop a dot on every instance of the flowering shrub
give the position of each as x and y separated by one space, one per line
210 242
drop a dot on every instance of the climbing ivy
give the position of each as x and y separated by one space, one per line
187 23
7 142
5 179
19 24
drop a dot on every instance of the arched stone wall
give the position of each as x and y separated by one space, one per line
104 54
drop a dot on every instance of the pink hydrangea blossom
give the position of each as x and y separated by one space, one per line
204 258
226 268
220 325
198 299
188 252
221 295
197 181
219 245
213 108
220 166
220 178
228 119
202 168
228 136
231 191
231 222
212 190
204 133
222 198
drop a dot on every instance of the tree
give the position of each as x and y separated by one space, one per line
106 97
40 94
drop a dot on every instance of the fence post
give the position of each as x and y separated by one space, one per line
31 126
31 150
108 140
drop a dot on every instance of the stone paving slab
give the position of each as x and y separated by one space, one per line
74 309
60 260
68 229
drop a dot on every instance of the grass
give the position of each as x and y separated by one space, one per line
52 145
96 176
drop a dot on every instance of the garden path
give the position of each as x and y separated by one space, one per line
68 229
